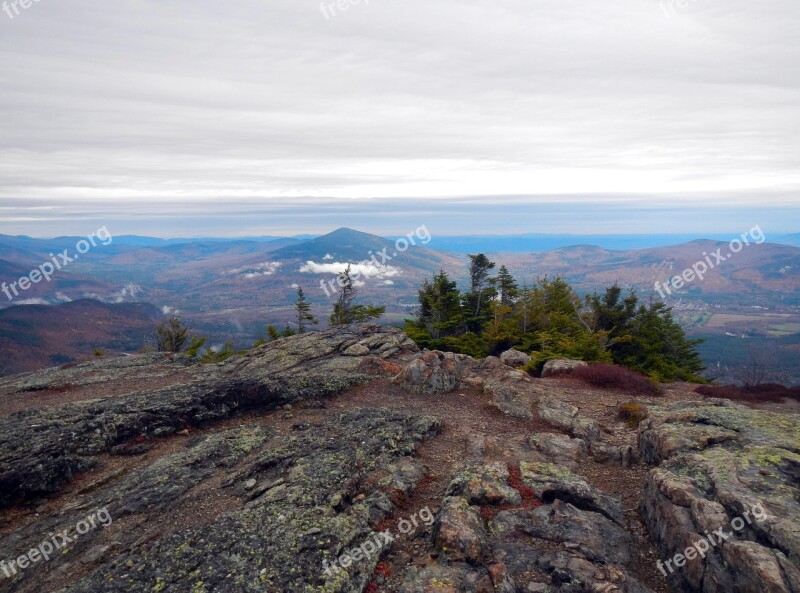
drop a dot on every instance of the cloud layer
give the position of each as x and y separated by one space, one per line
152 110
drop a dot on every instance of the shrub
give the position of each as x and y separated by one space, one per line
172 335
611 376
632 413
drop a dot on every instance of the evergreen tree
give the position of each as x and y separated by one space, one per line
549 320
194 346
645 338
481 291
303 309
171 335
342 309
557 325
345 310
440 310
658 346
611 312
507 289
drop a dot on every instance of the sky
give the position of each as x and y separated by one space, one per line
280 117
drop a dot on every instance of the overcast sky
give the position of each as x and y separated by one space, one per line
192 117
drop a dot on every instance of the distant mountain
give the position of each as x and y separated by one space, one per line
37 336
766 275
348 245
64 286
233 288
538 243
793 239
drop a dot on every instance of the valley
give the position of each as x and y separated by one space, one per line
232 289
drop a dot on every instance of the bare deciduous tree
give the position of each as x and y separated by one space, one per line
753 372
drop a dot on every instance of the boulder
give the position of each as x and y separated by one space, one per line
561 366
729 467
482 484
510 394
559 448
515 358
356 350
459 533
273 536
432 372
565 416
595 537
568 568
551 482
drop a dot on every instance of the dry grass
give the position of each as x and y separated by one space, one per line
632 413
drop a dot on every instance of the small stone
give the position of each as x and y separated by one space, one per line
183 432
95 554
356 350
250 484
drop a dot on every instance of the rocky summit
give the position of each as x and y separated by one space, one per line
349 461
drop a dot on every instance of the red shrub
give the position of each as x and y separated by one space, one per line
766 392
611 376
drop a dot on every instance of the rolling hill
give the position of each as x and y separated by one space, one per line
37 336
231 289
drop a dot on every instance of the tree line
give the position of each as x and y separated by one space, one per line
550 320
546 320
173 336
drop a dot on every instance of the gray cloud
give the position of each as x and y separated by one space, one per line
146 111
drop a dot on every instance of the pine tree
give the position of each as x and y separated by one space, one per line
645 337
344 310
507 288
344 303
172 335
303 309
440 310
481 291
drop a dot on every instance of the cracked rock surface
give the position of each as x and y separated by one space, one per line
297 467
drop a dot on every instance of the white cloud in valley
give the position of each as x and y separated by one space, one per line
367 269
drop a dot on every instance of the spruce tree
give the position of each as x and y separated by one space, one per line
303 309
345 310
507 288
481 291
172 335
